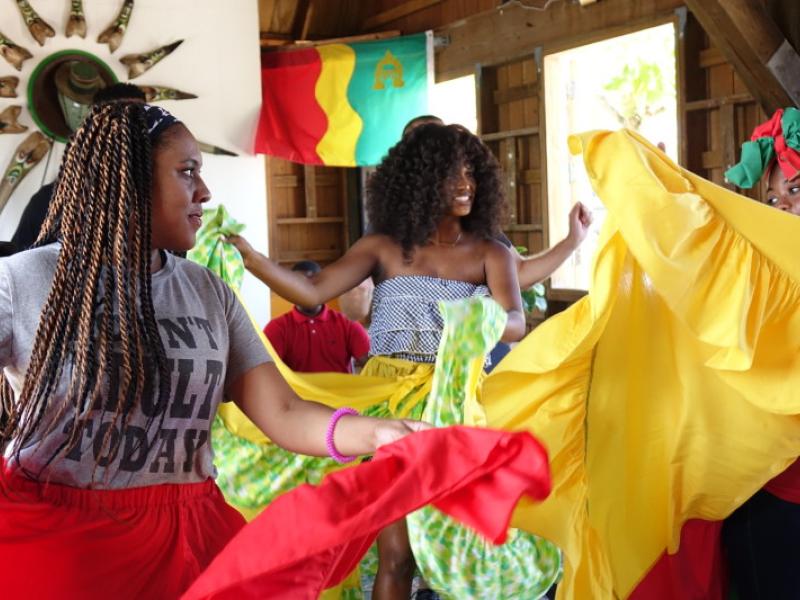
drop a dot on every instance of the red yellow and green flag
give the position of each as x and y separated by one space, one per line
343 104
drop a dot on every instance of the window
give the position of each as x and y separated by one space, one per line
628 81
454 101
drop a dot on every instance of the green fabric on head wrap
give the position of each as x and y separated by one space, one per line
778 138
756 157
790 123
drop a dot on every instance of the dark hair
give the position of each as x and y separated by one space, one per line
404 196
101 214
307 266
119 91
421 120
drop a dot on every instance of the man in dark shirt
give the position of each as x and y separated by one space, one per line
36 211
32 218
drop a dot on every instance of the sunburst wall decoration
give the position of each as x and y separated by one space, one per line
61 86
218 61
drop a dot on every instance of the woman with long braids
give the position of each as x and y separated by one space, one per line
435 204
118 353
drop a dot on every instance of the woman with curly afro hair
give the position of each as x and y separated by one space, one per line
435 206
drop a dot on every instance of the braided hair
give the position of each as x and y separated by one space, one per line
405 198
101 214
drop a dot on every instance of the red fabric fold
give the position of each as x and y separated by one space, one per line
788 158
695 572
312 537
292 121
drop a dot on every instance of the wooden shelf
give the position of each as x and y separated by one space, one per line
309 220
565 295
521 92
718 102
502 135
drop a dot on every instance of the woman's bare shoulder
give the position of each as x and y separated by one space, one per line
495 251
375 241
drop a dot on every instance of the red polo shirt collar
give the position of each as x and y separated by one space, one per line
299 317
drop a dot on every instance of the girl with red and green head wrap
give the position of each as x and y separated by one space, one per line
760 537
773 143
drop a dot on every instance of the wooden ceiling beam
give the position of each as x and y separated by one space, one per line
269 39
274 35
294 44
397 12
301 19
750 40
266 9
509 31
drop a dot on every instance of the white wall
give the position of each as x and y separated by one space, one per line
218 61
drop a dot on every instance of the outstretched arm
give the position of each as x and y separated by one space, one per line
533 269
501 277
346 273
300 425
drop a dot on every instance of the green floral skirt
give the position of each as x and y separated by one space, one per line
453 559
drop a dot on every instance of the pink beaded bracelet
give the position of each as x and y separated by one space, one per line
334 453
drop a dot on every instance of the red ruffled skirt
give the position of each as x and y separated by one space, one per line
151 542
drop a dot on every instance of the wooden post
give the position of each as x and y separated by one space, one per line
749 39
727 138
311 191
508 150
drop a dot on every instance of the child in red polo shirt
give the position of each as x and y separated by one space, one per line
318 339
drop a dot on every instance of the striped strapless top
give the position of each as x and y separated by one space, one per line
406 322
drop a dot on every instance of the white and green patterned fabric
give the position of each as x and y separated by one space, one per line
453 559
210 249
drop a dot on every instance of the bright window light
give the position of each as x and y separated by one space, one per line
628 81
454 101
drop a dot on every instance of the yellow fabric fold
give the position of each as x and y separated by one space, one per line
671 391
375 385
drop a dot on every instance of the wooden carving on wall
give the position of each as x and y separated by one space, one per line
62 84
76 23
14 54
114 33
28 154
39 29
8 87
9 122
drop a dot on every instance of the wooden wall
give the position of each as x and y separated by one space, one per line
418 15
717 111
503 47
510 112
308 215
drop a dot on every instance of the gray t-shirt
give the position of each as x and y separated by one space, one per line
209 341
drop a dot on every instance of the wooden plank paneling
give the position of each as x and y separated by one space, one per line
508 118
301 19
501 135
711 57
485 84
748 38
311 192
435 15
717 102
513 94
499 35
307 207
718 114
396 13
265 13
